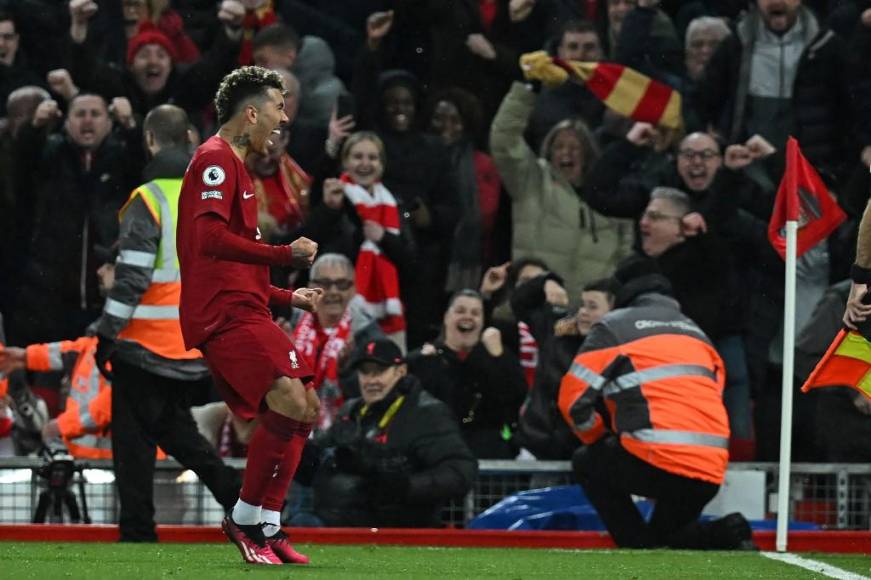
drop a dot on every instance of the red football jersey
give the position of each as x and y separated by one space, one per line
217 182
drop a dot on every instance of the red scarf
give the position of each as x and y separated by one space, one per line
254 20
528 352
376 276
321 347
284 195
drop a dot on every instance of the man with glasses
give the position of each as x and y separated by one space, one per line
706 283
698 159
325 337
620 182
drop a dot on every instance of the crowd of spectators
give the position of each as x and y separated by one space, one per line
514 201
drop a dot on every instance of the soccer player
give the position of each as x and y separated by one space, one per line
224 307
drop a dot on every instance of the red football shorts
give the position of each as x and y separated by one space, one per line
246 356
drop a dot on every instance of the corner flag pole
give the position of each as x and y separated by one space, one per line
786 396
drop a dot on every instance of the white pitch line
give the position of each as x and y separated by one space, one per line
814 566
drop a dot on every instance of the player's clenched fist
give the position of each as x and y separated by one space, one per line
307 298
303 251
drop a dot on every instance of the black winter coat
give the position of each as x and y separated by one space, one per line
75 209
541 428
821 106
14 77
454 65
398 476
704 282
484 393
620 182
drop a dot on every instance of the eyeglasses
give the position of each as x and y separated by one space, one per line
656 216
8 36
704 155
341 284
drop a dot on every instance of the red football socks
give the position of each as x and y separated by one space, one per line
277 489
269 456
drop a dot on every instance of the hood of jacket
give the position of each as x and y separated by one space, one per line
168 163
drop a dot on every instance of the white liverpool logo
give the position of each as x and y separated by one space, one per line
293 362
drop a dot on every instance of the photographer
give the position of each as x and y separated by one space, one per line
395 454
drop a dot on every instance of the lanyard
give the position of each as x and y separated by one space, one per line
388 415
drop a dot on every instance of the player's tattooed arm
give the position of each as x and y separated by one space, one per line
304 252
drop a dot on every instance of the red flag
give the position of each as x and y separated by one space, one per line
802 197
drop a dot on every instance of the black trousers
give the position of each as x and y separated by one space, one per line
610 475
149 411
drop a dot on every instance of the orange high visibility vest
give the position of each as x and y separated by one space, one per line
154 323
84 424
665 397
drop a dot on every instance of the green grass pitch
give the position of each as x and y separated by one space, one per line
218 561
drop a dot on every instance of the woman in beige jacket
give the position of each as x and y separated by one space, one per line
550 219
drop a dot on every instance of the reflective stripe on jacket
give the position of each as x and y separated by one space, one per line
663 385
153 323
84 424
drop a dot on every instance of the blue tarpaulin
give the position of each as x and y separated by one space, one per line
567 508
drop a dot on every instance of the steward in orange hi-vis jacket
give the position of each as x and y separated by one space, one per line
662 384
86 419
84 424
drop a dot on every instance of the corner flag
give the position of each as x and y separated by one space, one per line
847 363
802 197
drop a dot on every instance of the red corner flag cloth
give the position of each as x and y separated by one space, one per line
802 197
847 363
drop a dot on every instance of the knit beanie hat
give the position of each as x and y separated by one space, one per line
638 275
148 33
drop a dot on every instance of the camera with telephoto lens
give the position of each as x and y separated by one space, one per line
59 471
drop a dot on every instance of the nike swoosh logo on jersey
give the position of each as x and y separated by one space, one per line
247 195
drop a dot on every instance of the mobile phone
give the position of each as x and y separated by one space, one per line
345 105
